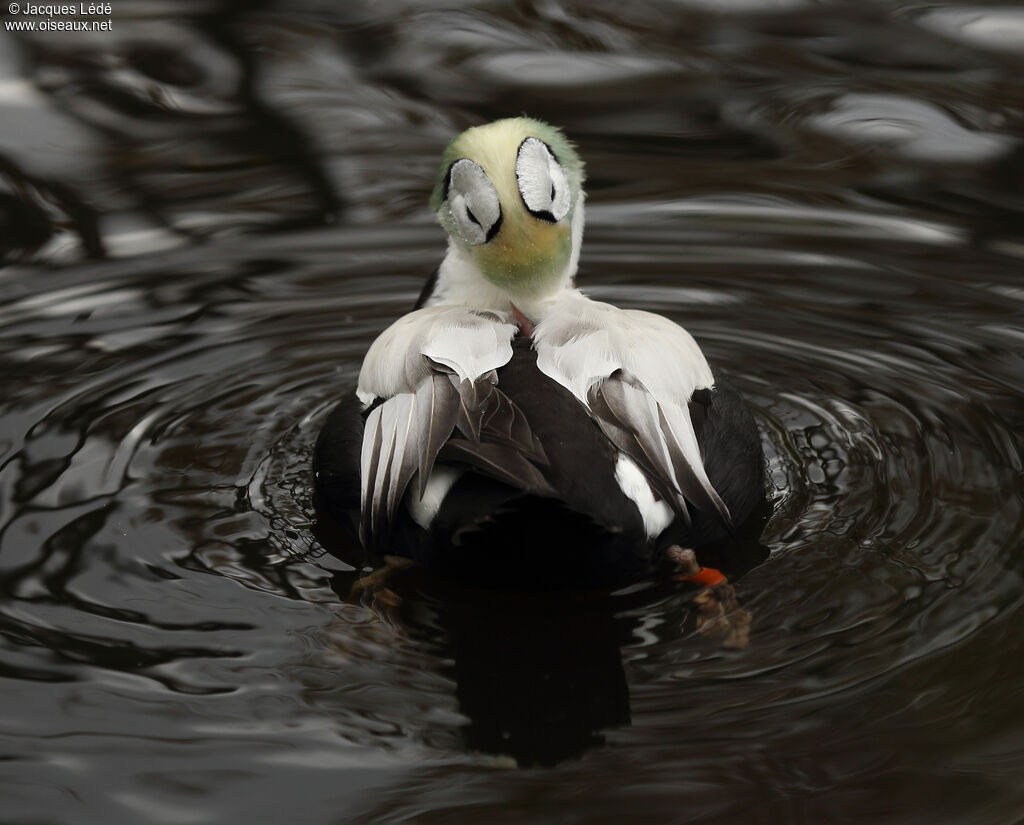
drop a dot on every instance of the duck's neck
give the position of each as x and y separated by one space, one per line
460 282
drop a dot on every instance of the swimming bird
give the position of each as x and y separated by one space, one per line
512 431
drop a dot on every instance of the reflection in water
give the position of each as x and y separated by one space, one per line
207 214
547 690
538 676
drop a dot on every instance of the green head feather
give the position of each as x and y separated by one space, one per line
526 254
507 133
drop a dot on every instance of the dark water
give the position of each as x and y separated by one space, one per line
207 214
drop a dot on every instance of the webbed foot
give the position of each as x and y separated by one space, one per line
372 589
718 609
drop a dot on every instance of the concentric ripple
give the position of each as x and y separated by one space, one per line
157 537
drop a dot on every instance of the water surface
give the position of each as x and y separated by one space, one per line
206 216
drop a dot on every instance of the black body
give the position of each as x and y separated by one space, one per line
590 534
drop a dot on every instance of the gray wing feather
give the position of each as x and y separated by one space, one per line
405 435
690 475
499 461
635 411
369 460
437 408
405 459
621 434
389 460
388 424
504 422
666 452
470 411
435 369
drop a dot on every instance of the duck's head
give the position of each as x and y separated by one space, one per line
509 193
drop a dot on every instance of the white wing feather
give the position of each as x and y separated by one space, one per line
582 344
470 342
423 366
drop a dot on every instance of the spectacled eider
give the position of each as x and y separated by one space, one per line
510 430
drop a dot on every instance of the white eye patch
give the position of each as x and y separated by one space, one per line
542 181
473 201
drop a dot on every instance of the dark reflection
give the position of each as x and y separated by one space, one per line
276 137
24 225
987 199
540 680
33 208
185 127
539 675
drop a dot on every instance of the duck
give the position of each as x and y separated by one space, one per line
511 431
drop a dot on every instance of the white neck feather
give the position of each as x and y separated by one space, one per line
460 283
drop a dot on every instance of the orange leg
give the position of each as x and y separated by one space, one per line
718 610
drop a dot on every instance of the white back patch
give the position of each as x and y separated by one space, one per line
424 510
657 515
